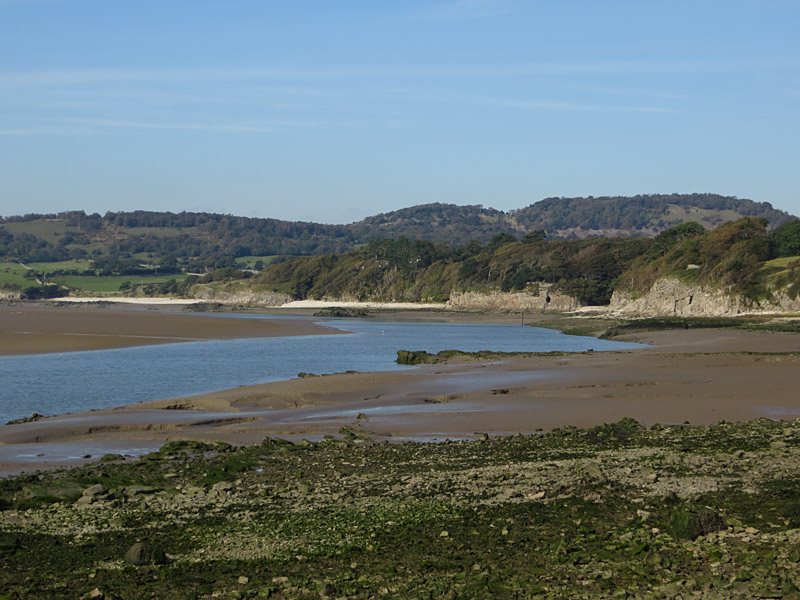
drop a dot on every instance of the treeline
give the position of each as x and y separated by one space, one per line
732 255
205 238
640 215
405 270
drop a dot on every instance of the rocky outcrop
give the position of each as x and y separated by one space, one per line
672 297
241 297
546 300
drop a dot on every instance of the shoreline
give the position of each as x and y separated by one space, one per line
700 376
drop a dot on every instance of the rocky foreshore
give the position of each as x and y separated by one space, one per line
619 510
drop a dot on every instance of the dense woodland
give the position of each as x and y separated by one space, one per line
404 270
644 215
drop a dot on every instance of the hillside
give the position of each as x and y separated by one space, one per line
438 223
405 271
741 264
644 215
737 267
199 240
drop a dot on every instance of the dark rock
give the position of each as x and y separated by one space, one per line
690 524
405 357
111 457
8 542
34 417
188 446
327 589
143 553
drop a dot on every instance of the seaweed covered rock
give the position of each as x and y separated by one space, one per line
408 357
689 524
144 553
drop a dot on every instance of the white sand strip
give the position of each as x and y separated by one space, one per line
128 300
387 305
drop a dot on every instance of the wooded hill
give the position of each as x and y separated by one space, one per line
742 256
127 242
643 215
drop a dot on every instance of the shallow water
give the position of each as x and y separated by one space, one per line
78 381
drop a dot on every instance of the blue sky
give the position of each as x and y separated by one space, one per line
333 110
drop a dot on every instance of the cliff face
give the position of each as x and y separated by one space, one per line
241 297
673 297
544 301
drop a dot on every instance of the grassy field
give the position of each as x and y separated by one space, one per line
64 265
48 230
111 284
14 273
250 261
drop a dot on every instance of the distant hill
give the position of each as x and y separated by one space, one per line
437 223
200 241
638 216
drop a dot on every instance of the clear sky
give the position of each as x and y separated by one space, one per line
333 110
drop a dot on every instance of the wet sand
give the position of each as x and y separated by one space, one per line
700 376
31 328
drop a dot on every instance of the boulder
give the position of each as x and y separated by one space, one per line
95 490
689 524
143 553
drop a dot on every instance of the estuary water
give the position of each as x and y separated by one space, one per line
52 384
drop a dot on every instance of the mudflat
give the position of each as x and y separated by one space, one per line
29 328
699 376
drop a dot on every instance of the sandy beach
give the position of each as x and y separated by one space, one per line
700 376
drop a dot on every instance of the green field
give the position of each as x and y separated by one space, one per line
14 273
250 261
48 230
111 284
64 265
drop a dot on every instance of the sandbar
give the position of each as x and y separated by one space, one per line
699 376
33 328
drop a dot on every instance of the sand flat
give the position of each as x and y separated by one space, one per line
31 328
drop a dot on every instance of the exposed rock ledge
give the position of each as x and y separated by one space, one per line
673 297
242 297
545 301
